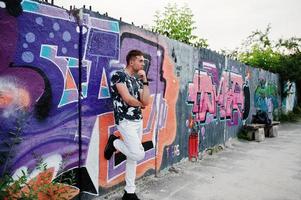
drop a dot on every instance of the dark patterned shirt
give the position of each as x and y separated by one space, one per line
121 109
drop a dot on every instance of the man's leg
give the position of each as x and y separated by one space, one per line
132 148
130 175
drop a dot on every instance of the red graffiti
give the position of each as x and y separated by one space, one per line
207 95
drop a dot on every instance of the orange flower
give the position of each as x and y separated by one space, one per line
44 188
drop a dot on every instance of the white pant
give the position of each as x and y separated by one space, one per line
131 146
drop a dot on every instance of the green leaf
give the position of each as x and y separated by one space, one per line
177 23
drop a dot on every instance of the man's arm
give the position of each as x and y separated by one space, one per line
126 96
144 93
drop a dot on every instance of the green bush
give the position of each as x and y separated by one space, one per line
243 134
297 110
292 116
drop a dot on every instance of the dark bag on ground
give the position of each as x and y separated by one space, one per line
261 117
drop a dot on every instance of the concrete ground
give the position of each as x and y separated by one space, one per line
269 170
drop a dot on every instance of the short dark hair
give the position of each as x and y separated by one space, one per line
132 54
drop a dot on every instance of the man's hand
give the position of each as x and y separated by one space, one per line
142 75
144 93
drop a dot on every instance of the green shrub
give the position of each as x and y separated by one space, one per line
297 110
243 134
289 117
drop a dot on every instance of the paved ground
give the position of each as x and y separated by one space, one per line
269 170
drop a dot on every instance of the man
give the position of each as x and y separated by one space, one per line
130 95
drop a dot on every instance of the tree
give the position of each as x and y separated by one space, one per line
265 58
258 50
177 23
283 56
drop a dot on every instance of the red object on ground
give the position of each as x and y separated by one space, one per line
193 146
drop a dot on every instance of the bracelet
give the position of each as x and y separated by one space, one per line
145 83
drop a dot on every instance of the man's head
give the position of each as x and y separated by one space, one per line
135 60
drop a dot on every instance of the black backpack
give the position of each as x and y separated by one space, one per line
261 117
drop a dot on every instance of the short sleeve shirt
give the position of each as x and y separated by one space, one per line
121 109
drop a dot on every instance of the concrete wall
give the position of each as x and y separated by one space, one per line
39 86
290 99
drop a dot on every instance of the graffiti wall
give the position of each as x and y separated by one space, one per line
290 99
38 81
55 102
266 93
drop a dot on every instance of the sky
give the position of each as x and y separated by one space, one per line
224 23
